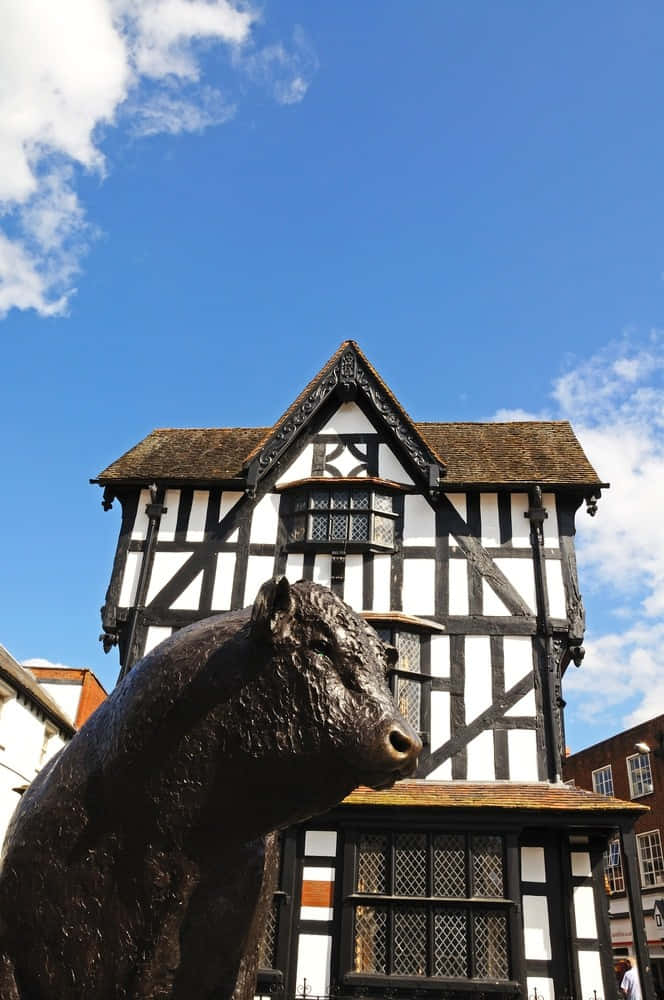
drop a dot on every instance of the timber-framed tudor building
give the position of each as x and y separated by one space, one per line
484 875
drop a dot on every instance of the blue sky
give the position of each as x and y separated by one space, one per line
200 200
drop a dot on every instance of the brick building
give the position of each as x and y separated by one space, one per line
630 765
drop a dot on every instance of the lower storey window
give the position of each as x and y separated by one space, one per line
431 904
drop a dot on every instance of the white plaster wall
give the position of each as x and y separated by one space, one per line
491 603
518 657
460 504
524 706
265 520
353 581
141 522
130 579
320 843
544 987
323 569
440 655
441 773
190 598
477 692
313 963
533 866
347 462
480 758
521 575
294 567
419 586
536 935
489 519
458 586
440 718
389 467
419 521
584 911
66 696
522 754
556 589
223 581
590 973
155 635
520 523
580 862
164 567
259 569
348 419
551 539
382 566
300 468
198 516
228 500
169 520
21 742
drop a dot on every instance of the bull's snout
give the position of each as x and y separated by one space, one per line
402 746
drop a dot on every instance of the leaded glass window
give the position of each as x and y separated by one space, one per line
431 904
406 679
342 514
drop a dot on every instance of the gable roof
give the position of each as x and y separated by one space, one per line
455 454
476 454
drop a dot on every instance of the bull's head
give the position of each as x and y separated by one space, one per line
334 666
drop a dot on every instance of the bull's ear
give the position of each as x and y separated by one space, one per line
274 603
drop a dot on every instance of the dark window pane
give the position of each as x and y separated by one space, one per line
359 530
410 864
338 527
449 865
360 500
319 527
372 863
340 498
410 942
370 939
450 943
487 866
491 953
320 499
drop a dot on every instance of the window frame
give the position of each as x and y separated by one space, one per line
631 772
658 879
469 904
599 771
614 874
307 490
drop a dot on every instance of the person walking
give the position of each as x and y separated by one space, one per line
630 984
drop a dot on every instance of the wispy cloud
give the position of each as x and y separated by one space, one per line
72 70
615 400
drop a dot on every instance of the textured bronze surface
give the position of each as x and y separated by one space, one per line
133 866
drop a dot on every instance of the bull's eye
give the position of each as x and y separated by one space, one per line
322 648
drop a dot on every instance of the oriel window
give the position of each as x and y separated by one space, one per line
342 514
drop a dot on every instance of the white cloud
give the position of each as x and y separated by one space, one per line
71 70
615 401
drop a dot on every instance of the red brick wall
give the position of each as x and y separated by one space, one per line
614 751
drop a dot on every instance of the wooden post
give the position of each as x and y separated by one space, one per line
633 887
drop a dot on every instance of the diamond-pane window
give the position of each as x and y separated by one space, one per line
487 866
430 921
450 943
267 944
410 941
372 863
408 698
491 952
370 939
342 514
449 864
410 864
